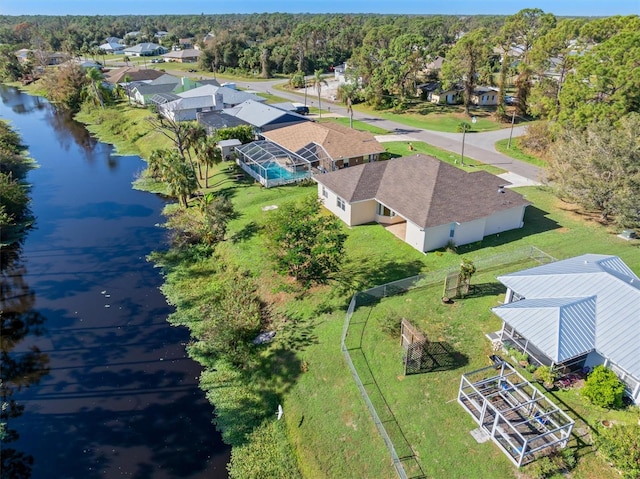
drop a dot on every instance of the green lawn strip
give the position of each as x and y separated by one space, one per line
428 116
358 125
516 152
403 148
271 98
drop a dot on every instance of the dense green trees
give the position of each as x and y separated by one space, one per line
304 243
620 445
599 169
14 192
464 60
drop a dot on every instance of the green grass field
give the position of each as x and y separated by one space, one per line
358 125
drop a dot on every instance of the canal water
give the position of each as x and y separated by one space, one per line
100 381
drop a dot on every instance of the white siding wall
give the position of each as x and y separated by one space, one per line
414 236
435 237
330 202
504 221
469 232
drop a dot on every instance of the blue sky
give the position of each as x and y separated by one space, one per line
458 7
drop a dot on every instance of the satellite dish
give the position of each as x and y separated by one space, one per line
280 411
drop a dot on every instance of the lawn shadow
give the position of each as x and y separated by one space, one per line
363 273
434 356
485 289
246 233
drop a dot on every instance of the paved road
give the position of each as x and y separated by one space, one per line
479 146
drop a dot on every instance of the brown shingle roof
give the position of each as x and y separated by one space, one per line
136 74
424 190
337 140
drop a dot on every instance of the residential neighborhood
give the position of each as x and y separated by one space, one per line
389 244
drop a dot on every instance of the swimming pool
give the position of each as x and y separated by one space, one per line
275 171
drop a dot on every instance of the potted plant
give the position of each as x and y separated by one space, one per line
545 375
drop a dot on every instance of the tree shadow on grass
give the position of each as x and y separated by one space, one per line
364 273
247 232
485 289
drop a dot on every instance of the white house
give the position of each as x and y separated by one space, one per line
425 202
145 50
582 311
484 96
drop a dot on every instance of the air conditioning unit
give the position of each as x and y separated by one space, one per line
628 234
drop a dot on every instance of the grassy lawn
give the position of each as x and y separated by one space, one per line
358 125
403 148
428 116
517 153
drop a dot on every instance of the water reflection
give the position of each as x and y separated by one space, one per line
14 99
23 364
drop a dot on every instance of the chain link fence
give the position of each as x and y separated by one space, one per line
373 295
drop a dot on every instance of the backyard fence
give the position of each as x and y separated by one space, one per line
375 294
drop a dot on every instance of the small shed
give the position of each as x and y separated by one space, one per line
227 147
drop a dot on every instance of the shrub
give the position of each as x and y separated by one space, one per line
558 461
603 388
545 375
620 445
539 137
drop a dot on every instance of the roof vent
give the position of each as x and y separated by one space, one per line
501 189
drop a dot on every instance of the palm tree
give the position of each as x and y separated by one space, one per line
209 154
195 133
180 177
317 82
95 78
347 93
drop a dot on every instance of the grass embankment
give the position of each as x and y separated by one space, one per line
303 369
357 125
517 152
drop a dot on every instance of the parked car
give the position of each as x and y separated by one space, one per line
302 110
511 100
157 60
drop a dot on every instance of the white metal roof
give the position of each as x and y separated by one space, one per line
577 305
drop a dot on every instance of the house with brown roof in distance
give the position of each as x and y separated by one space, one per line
327 146
118 75
190 55
424 201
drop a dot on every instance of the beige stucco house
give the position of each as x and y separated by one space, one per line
426 202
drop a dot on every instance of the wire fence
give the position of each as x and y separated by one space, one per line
369 387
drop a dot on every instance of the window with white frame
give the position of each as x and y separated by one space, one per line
340 203
325 193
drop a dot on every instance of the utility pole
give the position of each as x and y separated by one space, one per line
513 119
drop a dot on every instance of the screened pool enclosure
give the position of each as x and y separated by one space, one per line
271 164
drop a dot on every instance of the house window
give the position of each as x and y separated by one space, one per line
325 193
384 211
452 230
341 204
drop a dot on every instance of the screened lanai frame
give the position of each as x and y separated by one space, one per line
272 165
521 420
318 157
